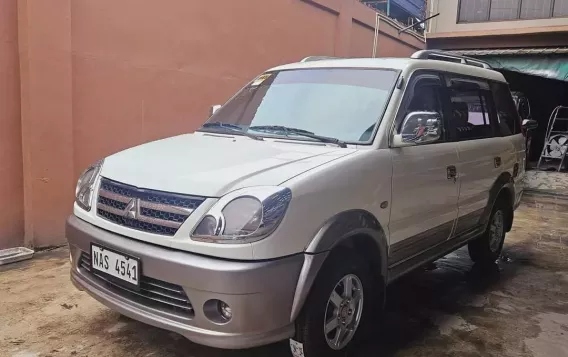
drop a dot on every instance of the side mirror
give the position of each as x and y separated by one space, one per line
529 124
419 128
214 108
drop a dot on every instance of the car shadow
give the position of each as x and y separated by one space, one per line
447 286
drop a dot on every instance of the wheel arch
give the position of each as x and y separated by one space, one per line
503 188
354 229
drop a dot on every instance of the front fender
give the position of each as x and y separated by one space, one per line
350 228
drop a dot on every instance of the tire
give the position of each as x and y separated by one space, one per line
487 248
341 266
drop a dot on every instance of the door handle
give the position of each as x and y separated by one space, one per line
452 173
497 161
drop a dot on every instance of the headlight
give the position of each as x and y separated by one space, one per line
244 216
85 186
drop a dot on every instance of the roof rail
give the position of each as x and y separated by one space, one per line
317 58
450 57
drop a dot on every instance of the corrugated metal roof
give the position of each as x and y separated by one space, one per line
513 51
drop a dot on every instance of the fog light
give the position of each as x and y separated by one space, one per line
218 311
225 310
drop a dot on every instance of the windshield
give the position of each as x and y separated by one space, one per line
340 103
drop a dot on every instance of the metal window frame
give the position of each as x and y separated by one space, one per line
556 17
517 18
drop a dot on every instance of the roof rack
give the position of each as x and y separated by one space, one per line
450 57
317 58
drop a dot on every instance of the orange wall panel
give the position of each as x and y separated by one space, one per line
89 78
389 47
361 40
47 126
11 182
156 74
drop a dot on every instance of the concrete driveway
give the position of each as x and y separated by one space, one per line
518 307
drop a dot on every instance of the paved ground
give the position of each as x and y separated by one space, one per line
451 308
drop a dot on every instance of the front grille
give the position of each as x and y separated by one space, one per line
154 293
145 210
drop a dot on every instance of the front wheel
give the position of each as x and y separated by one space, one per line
337 308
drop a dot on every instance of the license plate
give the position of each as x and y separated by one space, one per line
115 264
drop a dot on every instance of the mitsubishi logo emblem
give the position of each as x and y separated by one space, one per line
132 208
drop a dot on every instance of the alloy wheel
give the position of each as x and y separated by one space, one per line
343 312
496 229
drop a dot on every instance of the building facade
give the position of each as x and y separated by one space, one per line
84 79
527 40
497 24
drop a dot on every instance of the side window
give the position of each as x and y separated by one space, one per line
469 101
507 114
423 94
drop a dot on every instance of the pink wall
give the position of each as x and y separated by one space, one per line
44 35
11 184
98 76
156 74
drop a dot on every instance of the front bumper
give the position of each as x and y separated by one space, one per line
260 293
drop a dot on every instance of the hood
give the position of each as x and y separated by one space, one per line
211 165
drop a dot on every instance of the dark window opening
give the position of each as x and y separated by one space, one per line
469 102
507 114
502 10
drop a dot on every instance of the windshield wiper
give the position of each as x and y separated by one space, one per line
231 127
301 132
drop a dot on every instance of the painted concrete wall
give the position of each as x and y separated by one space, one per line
11 184
98 76
446 25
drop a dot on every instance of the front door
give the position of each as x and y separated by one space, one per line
424 182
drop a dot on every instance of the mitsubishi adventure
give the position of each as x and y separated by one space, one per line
289 212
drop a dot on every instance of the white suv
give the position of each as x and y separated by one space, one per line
287 214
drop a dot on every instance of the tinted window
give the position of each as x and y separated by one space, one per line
560 8
335 102
474 10
469 107
501 10
536 9
424 94
504 9
507 115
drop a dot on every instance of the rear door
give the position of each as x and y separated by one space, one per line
482 152
511 131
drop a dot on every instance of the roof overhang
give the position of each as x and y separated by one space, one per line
550 62
512 51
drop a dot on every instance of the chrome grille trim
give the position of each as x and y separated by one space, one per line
166 208
154 293
146 210
141 218
145 204
114 196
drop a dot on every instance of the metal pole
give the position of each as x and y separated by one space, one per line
388 8
418 23
376 39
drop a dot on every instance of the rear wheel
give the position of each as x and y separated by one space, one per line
337 310
488 247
